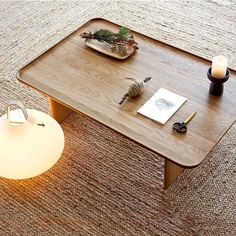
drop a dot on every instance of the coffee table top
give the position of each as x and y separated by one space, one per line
93 84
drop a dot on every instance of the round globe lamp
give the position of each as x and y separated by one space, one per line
31 142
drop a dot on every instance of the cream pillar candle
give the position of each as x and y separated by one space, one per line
219 67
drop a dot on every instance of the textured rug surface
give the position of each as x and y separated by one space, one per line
104 184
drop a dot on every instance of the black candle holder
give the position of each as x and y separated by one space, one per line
217 84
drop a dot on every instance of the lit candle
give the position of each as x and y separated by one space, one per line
219 67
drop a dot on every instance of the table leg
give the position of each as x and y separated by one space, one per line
58 111
172 171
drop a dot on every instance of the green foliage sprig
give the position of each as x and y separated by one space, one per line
119 41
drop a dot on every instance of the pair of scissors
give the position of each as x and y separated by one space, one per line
182 127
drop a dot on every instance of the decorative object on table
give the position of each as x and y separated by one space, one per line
181 127
31 142
119 45
162 105
135 89
218 74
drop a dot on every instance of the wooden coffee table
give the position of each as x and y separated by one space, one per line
76 78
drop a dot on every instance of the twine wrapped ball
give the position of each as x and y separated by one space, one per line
135 89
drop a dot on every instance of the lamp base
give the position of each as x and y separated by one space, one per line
217 84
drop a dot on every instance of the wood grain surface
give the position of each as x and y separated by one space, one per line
93 84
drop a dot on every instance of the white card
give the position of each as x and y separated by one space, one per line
162 105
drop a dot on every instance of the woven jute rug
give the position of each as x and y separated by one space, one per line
105 184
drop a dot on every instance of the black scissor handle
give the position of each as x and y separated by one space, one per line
180 127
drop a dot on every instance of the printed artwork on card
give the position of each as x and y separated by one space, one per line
162 105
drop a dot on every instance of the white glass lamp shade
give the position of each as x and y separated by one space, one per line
30 148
